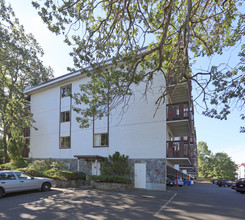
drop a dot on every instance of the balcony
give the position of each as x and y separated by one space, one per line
180 152
178 90
180 119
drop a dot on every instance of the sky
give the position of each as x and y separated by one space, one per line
220 136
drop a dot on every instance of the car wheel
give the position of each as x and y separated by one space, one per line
46 187
1 192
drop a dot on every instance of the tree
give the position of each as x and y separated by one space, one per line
115 164
20 67
174 31
228 91
218 166
223 167
204 159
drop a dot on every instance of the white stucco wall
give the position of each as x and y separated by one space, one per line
136 133
241 171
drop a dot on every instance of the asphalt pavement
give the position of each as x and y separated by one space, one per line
198 201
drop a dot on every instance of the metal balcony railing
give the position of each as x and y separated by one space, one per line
181 149
179 111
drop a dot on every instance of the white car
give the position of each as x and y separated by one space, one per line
180 182
15 181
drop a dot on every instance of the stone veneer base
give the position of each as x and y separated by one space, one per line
155 170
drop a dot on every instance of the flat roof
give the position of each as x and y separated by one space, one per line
53 81
67 76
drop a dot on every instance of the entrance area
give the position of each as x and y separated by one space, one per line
140 175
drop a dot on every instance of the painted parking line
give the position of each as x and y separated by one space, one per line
14 208
165 205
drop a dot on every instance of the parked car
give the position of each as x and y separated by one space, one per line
15 181
180 182
214 181
240 185
228 183
193 180
233 185
221 182
170 182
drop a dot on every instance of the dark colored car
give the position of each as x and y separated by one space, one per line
221 183
233 185
170 182
228 183
240 185
214 181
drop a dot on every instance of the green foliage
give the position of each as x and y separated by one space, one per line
33 172
109 179
216 166
70 175
15 147
204 159
116 165
1 150
55 174
223 167
174 32
47 164
14 165
21 67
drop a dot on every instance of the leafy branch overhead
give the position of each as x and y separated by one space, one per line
141 39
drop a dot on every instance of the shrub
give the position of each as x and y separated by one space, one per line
116 164
32 172
109 179
70 175
47 164
56 174
13 165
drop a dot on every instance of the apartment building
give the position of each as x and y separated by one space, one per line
159 146
241 170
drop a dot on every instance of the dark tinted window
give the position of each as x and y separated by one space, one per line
7 176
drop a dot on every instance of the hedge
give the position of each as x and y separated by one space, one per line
109 179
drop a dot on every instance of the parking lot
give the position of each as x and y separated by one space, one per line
199 201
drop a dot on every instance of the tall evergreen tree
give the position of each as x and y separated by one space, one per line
20 67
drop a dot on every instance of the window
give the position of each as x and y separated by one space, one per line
65 91
7 176
65 142
101 140
65 116
23 176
